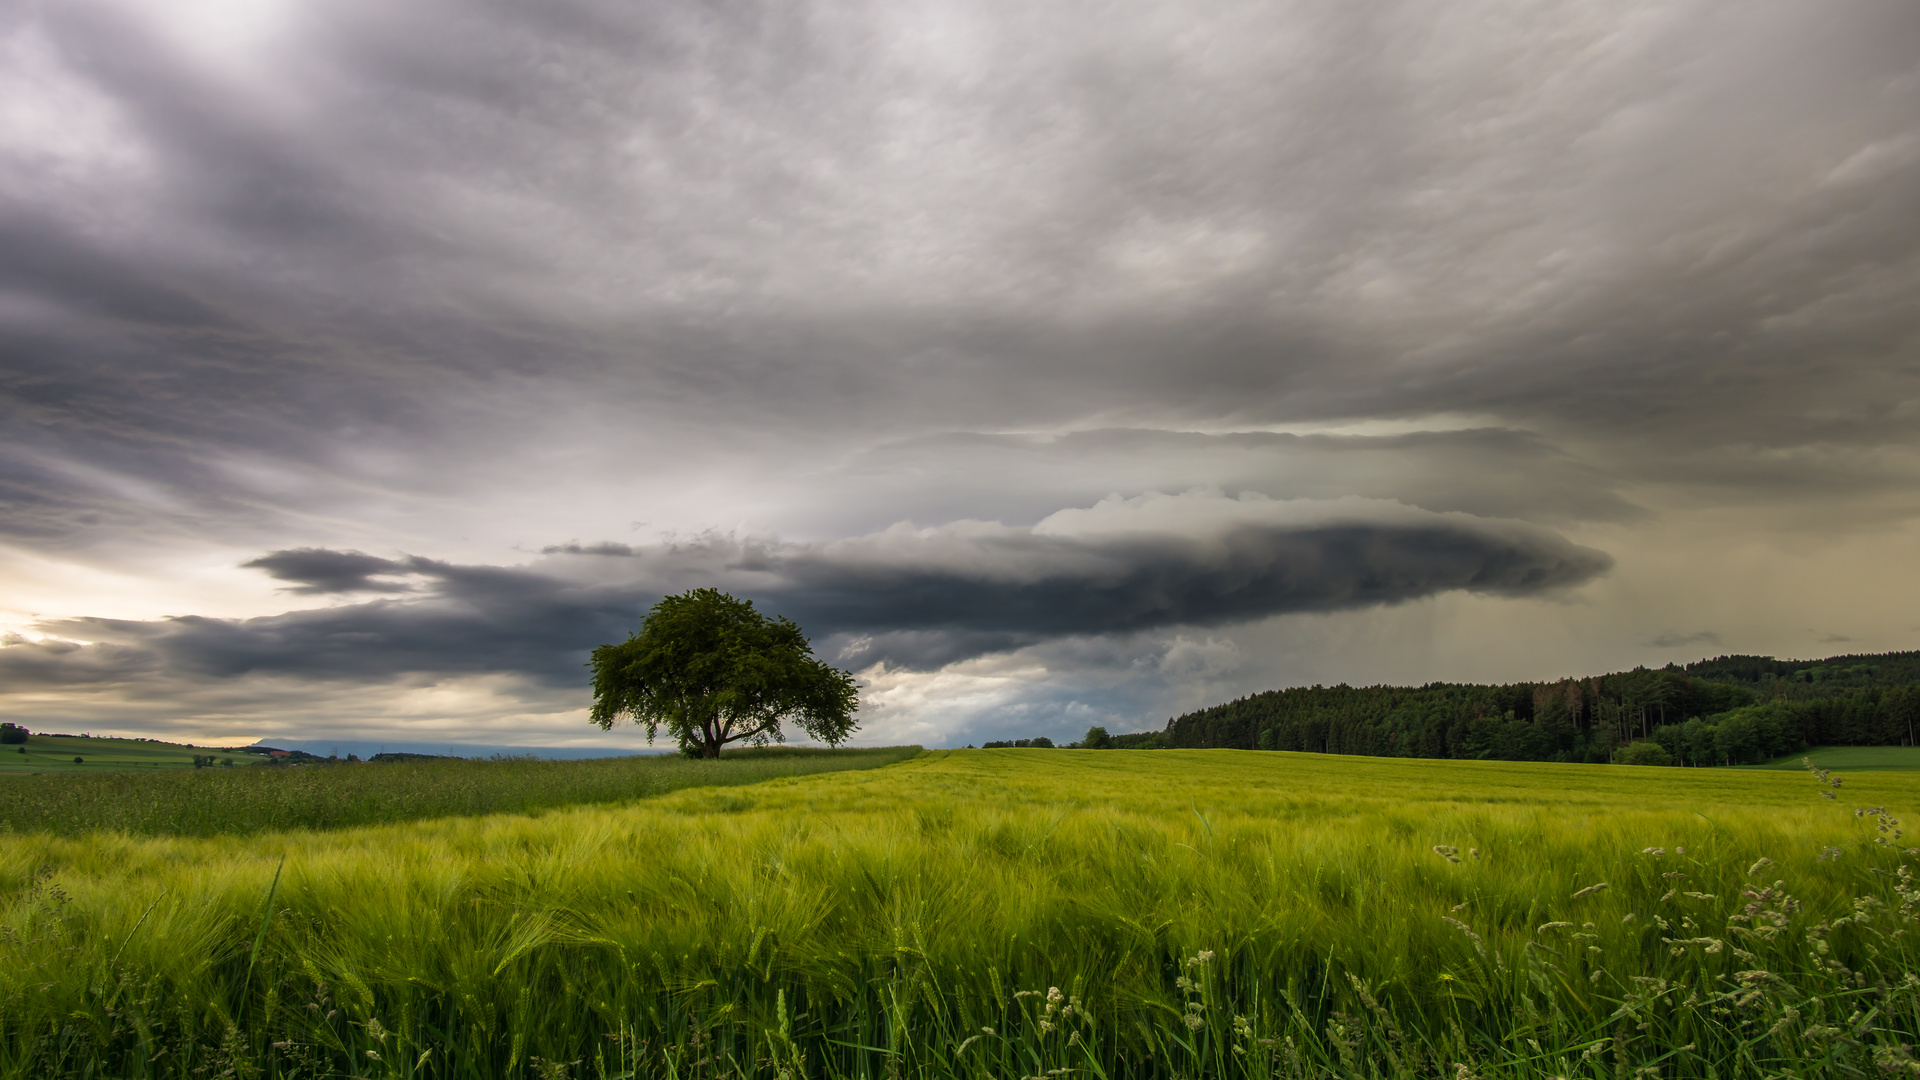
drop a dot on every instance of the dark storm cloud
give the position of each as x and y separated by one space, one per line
928 599
318 570
919 598
475 621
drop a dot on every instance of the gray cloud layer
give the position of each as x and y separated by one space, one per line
344 235
322 279
906 597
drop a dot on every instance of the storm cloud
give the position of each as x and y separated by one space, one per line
906 597
318 570
476 326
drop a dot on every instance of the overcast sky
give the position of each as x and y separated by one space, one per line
363 365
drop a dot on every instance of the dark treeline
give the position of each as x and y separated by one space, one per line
1728 710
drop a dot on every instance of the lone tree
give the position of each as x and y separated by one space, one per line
713 671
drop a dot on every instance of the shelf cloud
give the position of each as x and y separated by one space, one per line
905 597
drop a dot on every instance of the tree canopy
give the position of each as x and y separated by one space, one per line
712 671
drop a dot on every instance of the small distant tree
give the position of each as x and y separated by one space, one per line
1096 738
712 671
1643 753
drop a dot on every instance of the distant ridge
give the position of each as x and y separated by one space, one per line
1726 710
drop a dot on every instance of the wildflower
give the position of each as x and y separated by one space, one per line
1544 927
1590 890
1655 851
1759 866
1447 852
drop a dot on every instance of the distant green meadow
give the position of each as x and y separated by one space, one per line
1849 759
1004 914
56 754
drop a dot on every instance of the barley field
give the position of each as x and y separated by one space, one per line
266 798
1005 914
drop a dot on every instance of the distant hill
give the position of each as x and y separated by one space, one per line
1811 678
1727 710
50 753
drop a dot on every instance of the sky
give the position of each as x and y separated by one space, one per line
364 365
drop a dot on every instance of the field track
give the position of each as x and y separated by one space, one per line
1199 912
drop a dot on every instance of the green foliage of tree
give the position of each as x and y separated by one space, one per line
712 670
1096 738
12 733
1645 752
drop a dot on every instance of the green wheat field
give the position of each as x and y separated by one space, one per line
1004 914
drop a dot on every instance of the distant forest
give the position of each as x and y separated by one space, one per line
1730 710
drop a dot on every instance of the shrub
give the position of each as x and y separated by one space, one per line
1643 753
